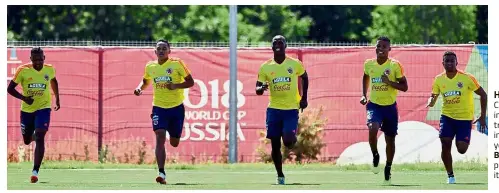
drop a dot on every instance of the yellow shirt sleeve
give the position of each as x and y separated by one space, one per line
184 71
473 83
366 70
435 89
262 77
52 75
18 77
146 74
300 70
399 71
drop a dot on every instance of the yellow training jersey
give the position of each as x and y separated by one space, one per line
172 71
36 84
457 94
381 93
283 82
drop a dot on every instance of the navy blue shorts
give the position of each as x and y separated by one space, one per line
171 119
39 119
386 116
281 121
450 127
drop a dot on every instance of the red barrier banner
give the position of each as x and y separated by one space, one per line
96 86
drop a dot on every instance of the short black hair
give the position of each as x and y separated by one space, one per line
280 37
384 38
164 41
450 53
36 50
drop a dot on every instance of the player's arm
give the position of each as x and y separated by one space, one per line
483 101
55 88
304 80
435 91
11 89
261 88
474 86
189 82
401 81
365 84
261 85
432 100
143 84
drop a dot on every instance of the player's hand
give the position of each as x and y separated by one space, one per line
363 100
57 105
137 92
384 79
264 87
171 86
303 105
429 103
28 100
483 125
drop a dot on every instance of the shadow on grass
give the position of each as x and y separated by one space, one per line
298 184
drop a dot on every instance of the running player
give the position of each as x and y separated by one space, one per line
282 75
169 77
386 77
457 89
35 79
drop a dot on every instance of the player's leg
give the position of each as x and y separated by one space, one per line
290 127
176 116
446 134
159 125
42 122
389 128
374 124
277 159
463 135
27 127
274 133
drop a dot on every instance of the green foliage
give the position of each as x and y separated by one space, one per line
424 24
309 143
142 153
145 22
103 154
256 23
12 35
87 152
336 22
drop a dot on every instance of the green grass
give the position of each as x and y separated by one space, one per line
69 175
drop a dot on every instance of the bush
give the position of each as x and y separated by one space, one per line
308 145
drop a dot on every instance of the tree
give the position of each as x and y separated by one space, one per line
336 23
424 24
482 23
175 23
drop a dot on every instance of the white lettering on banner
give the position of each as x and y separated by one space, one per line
211 115
204 96
215 128
241 100
208 132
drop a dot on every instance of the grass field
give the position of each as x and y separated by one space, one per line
92 176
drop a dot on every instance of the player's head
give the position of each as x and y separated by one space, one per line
37 57
162 49
383 47
450 61
279 44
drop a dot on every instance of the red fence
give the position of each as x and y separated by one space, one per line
98 105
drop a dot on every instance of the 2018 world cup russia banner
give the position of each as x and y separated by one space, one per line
96 86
